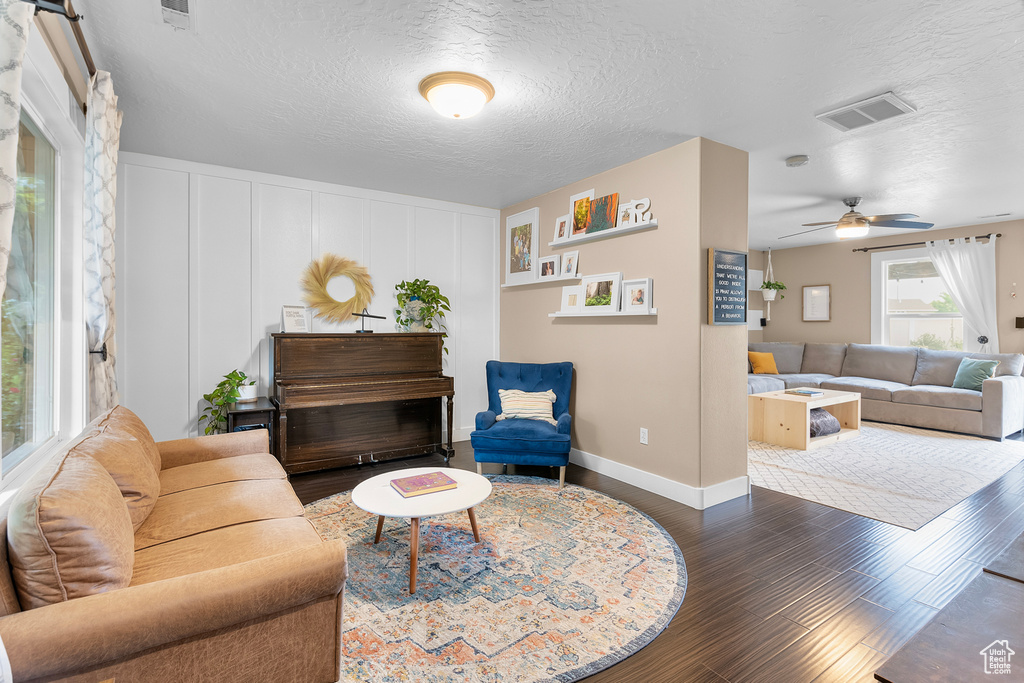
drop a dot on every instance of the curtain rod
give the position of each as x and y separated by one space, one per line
918 244
67 10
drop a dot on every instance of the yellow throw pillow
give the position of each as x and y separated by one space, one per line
763 363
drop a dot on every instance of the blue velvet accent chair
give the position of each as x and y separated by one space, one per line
520 441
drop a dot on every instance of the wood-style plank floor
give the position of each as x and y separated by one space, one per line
780 588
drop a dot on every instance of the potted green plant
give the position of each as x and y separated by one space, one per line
769 288
420 306
227 392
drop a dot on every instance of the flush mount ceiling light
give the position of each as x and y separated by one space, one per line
797 160
456 94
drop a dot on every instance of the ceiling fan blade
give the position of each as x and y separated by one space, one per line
807 231
889 217
808 225
915 225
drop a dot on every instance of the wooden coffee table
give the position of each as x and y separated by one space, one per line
784 419
376 496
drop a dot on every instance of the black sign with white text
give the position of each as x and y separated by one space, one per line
727 287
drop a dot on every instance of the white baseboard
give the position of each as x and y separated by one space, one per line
699 498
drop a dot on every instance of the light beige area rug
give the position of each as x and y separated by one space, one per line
901 475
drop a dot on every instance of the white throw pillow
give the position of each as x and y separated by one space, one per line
527 405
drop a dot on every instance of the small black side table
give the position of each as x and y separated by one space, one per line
258 414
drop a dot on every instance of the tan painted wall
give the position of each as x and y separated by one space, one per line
635 372
849 275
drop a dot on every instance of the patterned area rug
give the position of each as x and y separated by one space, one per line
896 474
564 583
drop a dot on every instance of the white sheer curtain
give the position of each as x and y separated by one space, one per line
968 267
15 19
102 136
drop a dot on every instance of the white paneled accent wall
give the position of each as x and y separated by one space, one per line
207 255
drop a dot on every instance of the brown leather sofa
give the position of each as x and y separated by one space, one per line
185 560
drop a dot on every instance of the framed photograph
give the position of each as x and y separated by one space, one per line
637 295
549 268
563 228
572 299
817 304
579 209
571 264
522 246
601 293
603 213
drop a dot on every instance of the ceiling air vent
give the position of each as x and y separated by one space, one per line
179 14
865 112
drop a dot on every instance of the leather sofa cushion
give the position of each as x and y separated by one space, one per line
938 368
121 419
877 389
518 435
124 458
69 534
889 363
941 397
804 379
220 471
185 513
222 547
788 355
760 384
826 359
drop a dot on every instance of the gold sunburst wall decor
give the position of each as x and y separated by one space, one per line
322 271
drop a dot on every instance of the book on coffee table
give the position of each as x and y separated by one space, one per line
431 482
812 393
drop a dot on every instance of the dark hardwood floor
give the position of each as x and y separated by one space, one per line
780 588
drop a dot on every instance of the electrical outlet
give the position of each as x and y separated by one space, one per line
643 435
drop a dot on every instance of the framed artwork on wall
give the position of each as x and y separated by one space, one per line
549 268
817 303
637 295
522 246
571 264
601 293
579 208
572 299
602 213
563 228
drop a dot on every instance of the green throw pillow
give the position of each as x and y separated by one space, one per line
972 372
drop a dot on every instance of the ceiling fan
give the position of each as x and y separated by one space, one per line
854 224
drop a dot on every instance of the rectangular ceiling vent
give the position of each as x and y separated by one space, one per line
866 112
179 14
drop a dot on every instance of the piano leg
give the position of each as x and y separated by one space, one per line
451 412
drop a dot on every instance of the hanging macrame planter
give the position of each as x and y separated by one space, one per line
322 271
770 288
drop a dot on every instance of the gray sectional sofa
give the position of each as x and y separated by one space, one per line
903 385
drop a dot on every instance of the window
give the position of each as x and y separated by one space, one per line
911 305
27 342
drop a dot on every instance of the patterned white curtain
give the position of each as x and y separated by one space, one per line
968 268
102 136
15 19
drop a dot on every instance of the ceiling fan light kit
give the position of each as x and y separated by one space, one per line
456 94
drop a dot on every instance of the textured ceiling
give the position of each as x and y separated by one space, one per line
327 91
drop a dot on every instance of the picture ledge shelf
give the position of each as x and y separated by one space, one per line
546 281
621 314
612 232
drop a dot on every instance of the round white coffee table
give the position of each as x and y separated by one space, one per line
376 496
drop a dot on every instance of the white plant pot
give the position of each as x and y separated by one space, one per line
769 294
247 393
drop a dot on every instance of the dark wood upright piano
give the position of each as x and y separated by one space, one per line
346 399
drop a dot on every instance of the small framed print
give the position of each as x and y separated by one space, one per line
637 295
522 248
549 268
601 293
563 228
579 209
603 213
572 299
571 264
817 303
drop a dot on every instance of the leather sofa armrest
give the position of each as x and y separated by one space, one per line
485 419
564 423
202 448
1002 405
66 637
